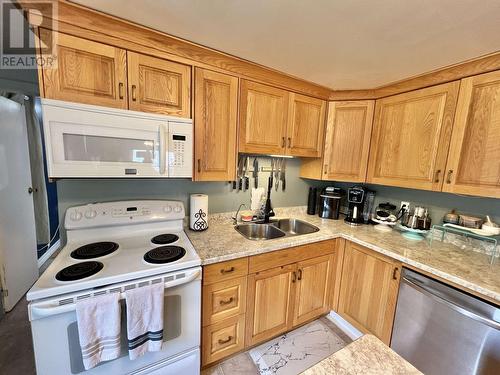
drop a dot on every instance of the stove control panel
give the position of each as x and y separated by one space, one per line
122 213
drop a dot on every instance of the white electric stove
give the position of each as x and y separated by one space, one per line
113 247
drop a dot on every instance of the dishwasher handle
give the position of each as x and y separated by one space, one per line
429 293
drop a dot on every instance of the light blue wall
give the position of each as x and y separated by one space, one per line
73 192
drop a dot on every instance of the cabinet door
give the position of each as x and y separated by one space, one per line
411 138
312 296
159 86
215 102
263 116
269 310
474 158
306 124
347 142
369 291
87 72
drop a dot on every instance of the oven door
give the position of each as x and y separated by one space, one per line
55 332
102 142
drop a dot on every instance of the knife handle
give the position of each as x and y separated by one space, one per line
247 183
234 185
240 184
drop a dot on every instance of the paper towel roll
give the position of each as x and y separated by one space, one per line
198 212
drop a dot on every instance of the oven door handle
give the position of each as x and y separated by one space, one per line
39 310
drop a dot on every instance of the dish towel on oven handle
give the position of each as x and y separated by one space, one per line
145 319
98 320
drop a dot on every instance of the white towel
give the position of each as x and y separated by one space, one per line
256 198
99 328
144 319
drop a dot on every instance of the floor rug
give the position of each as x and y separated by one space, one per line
297 350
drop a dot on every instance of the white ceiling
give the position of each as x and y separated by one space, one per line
341 44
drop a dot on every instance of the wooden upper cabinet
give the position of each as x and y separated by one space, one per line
474 158
312 297
411 137
263 116
369 291
306 123
347 141
86 72
269 310
159 86
215 122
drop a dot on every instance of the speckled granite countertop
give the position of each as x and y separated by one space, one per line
366 355
469 269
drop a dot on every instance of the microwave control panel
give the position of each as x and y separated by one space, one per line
180 150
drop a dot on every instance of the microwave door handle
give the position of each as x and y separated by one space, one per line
43 310
163 148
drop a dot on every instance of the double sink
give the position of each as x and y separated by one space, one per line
275 229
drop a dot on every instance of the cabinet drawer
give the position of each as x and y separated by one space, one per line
224 299
291 255
231 269
222 339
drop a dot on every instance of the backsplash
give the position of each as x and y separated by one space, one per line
72 192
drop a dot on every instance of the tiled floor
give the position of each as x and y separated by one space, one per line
288 354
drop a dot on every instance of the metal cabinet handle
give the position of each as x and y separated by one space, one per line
199 165
300 275
289 142
134 89
120 90
229 338
283 142
226 302
395 273
294 276
438 172
448 177
223 271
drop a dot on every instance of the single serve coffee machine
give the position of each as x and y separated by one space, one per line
355 198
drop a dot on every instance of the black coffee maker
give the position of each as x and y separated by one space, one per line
355 198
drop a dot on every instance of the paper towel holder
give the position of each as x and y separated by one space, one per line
198 212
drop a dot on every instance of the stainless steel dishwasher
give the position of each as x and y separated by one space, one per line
441 330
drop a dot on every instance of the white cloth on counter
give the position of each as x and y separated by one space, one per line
145 319
98 320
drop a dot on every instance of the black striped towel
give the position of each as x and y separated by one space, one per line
144 319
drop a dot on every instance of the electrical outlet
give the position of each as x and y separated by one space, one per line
406 204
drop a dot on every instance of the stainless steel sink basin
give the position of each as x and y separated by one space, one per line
259 231
275 229
295 227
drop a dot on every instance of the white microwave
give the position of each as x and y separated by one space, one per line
88 141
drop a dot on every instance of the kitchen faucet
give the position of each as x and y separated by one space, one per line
268 209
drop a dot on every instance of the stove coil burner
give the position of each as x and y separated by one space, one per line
164 254
94 250
164 239
79 271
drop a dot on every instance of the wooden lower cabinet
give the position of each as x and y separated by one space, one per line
369 290
222 339
269 303
284 289
312 296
